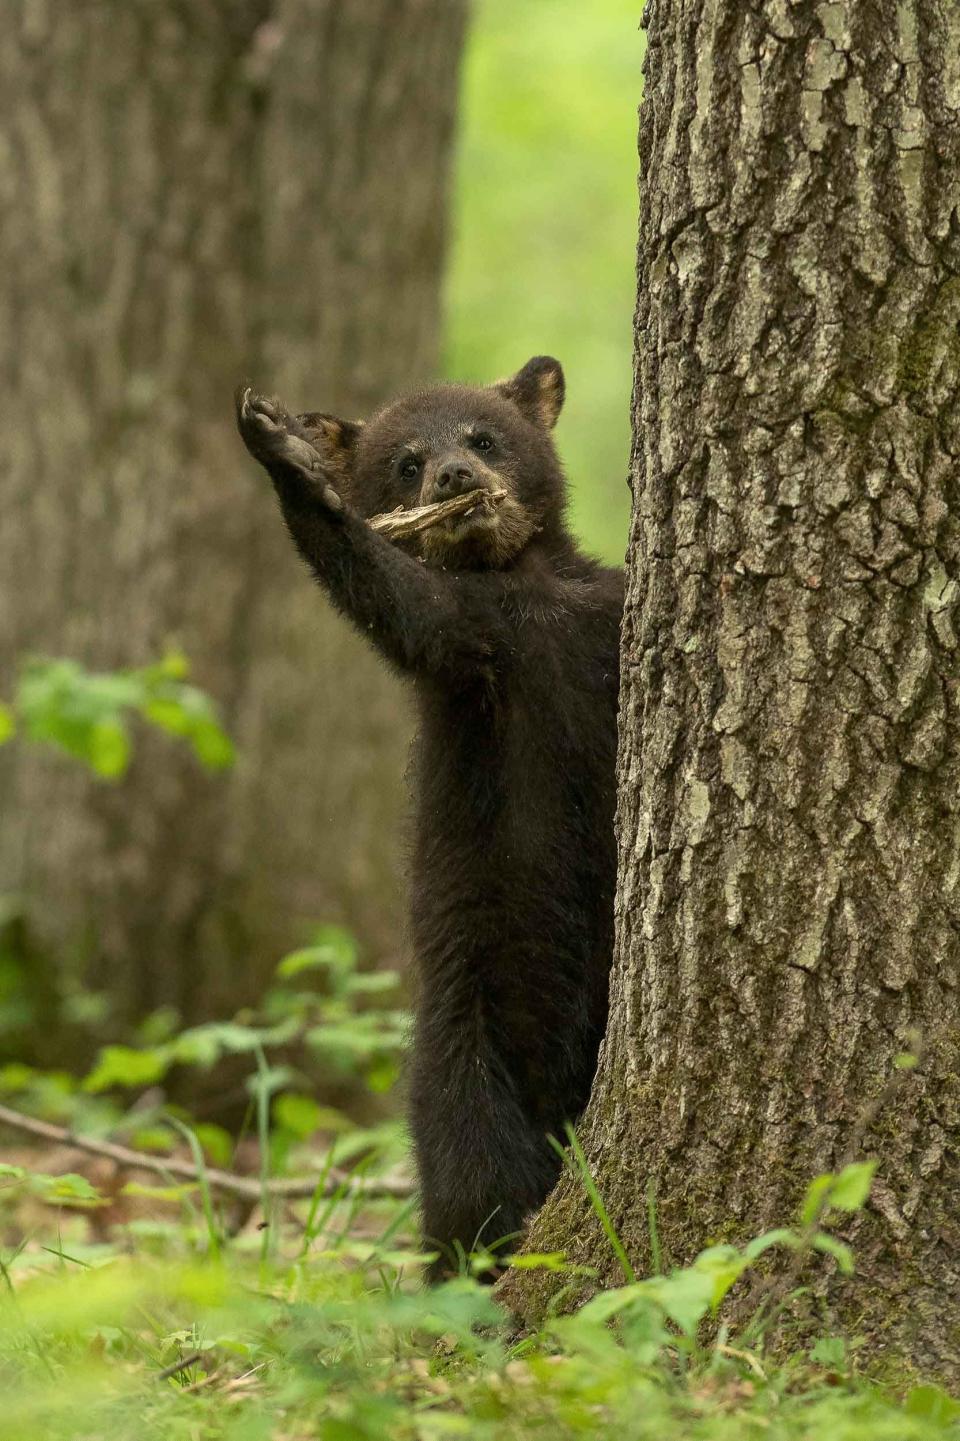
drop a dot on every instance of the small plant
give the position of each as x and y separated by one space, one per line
316 1325
86 714
323 1015
339 1024
666 1311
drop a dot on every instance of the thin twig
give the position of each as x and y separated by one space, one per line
247 1187
191 1359
398 524
202 1383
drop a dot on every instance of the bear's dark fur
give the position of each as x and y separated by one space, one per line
510 636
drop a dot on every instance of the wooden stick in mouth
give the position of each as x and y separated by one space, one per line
399 524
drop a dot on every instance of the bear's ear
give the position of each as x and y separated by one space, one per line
335 439
537 390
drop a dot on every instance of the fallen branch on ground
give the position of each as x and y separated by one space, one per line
247 1187
400 523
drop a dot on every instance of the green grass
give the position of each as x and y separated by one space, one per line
163 1311
545 226
341 1342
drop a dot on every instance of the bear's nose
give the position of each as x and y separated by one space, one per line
453 478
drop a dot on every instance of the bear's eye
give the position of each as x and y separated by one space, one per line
482 442
409 468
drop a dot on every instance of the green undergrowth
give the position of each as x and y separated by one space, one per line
135 1305
314 1323
141 1300
138 1303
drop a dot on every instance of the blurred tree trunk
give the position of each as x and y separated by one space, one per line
193 194
789 771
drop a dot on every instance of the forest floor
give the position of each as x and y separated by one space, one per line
132 1309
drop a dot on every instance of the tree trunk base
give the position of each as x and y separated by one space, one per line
901 1307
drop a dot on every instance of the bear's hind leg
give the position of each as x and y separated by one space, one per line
484 1164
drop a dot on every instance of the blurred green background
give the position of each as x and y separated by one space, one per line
544 227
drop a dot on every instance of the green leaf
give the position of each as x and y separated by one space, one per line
217 1143
539 1261
174 665
212 746
723 1265
153 1138
8 724
185 711
334 949
372 983
308 958
268 1080
84 713
813 1200
174 1194
158 1026
781 1236
353 1041
851 1187
932 1404
296 1113
842 1254
203 1045
830 1351
70 1187
686 1297
330 1119
123 1066
382 1075
209 1040
233 1344
607 1304
167 714
15 1076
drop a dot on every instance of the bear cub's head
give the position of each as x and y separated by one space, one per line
442 442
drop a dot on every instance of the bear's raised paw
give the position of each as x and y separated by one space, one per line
272 438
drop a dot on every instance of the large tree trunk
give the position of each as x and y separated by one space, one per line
789 773
193 194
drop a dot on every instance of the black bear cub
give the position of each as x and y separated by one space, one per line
510 636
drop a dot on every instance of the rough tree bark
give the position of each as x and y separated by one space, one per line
192 194
789 772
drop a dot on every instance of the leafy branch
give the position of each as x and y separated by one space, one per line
86 713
